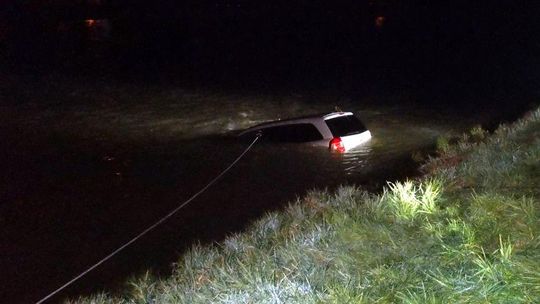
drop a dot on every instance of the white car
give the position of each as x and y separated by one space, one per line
339 131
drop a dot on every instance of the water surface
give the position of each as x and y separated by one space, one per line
87 171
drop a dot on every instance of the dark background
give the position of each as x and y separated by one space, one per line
451 47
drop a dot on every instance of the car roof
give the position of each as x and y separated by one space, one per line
315 119
336 114
300 119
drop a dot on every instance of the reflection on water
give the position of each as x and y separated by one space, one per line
356 159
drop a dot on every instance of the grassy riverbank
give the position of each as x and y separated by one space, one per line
468 232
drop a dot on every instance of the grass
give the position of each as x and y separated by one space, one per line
467 232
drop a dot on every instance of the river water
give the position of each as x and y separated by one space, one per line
87 168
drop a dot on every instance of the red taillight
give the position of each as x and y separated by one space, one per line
337 145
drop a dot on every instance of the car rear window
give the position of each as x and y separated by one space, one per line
345 125
291 133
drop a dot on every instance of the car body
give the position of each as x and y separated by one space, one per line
339 131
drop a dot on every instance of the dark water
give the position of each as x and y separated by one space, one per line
81 178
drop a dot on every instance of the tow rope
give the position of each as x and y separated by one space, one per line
163 219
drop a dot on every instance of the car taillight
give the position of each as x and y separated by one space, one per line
337 145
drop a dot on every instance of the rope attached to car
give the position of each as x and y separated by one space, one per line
163 219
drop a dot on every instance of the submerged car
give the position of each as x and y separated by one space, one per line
339 131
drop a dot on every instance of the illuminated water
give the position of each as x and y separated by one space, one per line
84 174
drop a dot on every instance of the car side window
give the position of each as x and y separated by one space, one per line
296 133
